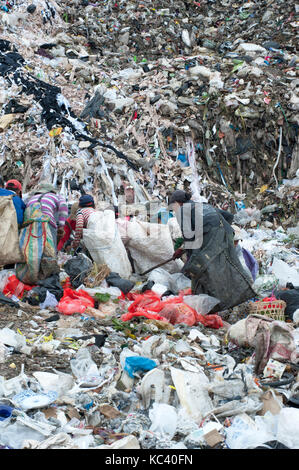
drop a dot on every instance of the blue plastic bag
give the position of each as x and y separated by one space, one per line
135 363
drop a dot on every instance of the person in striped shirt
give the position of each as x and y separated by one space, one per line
53 205
86 208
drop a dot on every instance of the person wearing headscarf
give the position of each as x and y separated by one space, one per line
53 205
212 261
14 188
85 209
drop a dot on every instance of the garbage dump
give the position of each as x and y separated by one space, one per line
149 236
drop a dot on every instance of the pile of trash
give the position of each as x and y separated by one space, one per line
92 360
101 96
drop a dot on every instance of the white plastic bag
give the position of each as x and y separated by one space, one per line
202 303
4 275
192 392
59 382
265 284
244 434
174 282
50 301
285 273
288 427
164 420
4 351
159 276
175 229
113 291
11 338
14 435
103 241
179 282
84 368
237 333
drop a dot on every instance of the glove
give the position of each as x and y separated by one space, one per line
178 253
178 243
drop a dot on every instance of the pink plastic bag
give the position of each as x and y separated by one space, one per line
211 321
179 313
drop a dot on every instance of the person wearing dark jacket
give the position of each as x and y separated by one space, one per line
212 261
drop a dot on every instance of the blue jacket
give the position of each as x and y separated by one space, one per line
18 203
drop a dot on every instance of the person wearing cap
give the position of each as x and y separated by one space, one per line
212 261
85 209
53 205
14 188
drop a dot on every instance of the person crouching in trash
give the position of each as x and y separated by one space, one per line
85 209
69 227
212 261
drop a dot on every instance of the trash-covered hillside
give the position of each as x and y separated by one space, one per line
110 338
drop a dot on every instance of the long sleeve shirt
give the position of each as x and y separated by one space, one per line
53 205
18 203
81 223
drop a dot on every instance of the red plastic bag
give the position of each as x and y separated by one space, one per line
15 287
74 302
148 301
179 313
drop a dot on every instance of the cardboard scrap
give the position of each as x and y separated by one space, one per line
213 438
109 412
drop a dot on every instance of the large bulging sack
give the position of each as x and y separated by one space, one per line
103 241
151 244
10 252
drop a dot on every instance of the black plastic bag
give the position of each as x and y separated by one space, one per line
291 297
115 280
52 284
78 268
36 296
